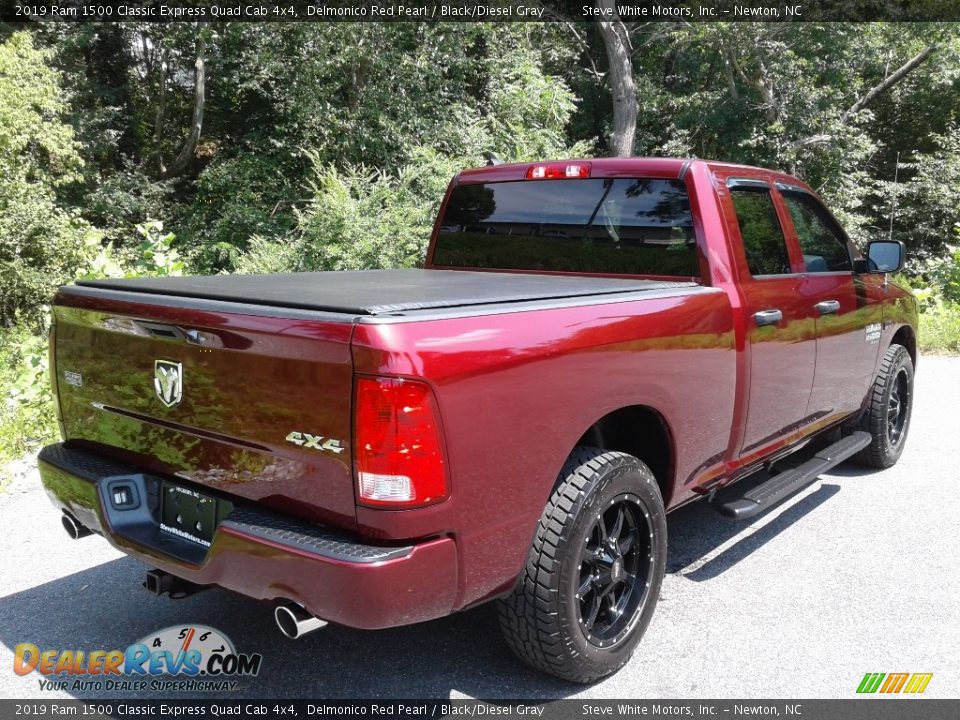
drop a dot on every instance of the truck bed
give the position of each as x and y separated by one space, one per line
382 292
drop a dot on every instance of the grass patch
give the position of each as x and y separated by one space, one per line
940 328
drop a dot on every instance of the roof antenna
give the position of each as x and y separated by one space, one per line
492 159
893 200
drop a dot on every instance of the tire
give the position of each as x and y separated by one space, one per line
561 617
889 406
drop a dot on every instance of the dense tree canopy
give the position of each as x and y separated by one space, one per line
294 146
39 239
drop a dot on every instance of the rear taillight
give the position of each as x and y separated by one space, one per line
398 455
558 171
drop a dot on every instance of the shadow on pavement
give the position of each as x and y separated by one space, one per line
695 530
105 608
754 541
851 470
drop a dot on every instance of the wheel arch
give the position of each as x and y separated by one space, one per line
641 431
906 336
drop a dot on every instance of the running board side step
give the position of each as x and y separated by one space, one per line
782 486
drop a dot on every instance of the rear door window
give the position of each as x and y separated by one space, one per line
763 240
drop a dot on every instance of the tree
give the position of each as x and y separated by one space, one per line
237 115
616 41
185 156
41 244
868 97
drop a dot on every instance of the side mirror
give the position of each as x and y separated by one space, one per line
883 256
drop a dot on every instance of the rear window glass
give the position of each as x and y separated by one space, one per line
619 225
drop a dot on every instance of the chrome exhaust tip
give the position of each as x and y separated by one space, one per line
74 529
294 621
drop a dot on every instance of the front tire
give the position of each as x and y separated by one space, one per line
889 406
592 579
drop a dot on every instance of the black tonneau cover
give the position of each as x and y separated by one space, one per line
379 292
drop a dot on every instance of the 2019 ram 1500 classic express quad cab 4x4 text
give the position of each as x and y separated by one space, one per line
591 344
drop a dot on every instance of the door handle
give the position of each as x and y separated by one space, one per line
768 317
828 307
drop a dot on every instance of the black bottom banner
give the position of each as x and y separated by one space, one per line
894 708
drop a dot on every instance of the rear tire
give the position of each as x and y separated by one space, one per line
592 579
889 406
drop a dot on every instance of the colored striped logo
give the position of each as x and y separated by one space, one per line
912 683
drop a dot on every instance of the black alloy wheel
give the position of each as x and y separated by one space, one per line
897 407
615 570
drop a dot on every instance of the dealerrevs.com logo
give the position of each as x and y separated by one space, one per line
192 658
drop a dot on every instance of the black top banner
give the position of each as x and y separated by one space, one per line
218 11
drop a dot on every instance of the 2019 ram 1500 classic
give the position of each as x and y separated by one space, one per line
591 344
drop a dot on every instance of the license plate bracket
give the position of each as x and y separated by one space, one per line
191 515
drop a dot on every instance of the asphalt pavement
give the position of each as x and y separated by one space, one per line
856 574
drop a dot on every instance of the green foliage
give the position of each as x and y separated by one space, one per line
101 262
123 199
785 95
41 244
26 405
237 198
362 219
155 256
938 297
940 327
30 364
158 257
938 294
529 110
36 145
945 273
347 125
359 218
353 92
356 217
928 197
367 98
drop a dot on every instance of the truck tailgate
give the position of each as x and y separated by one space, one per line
255 406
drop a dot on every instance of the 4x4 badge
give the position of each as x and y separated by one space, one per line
315 442
168 381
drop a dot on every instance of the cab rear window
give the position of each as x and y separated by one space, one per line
619 225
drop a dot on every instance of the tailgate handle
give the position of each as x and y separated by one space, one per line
159 330
768 317
828 307
172 332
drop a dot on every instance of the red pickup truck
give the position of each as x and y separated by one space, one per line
591 345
